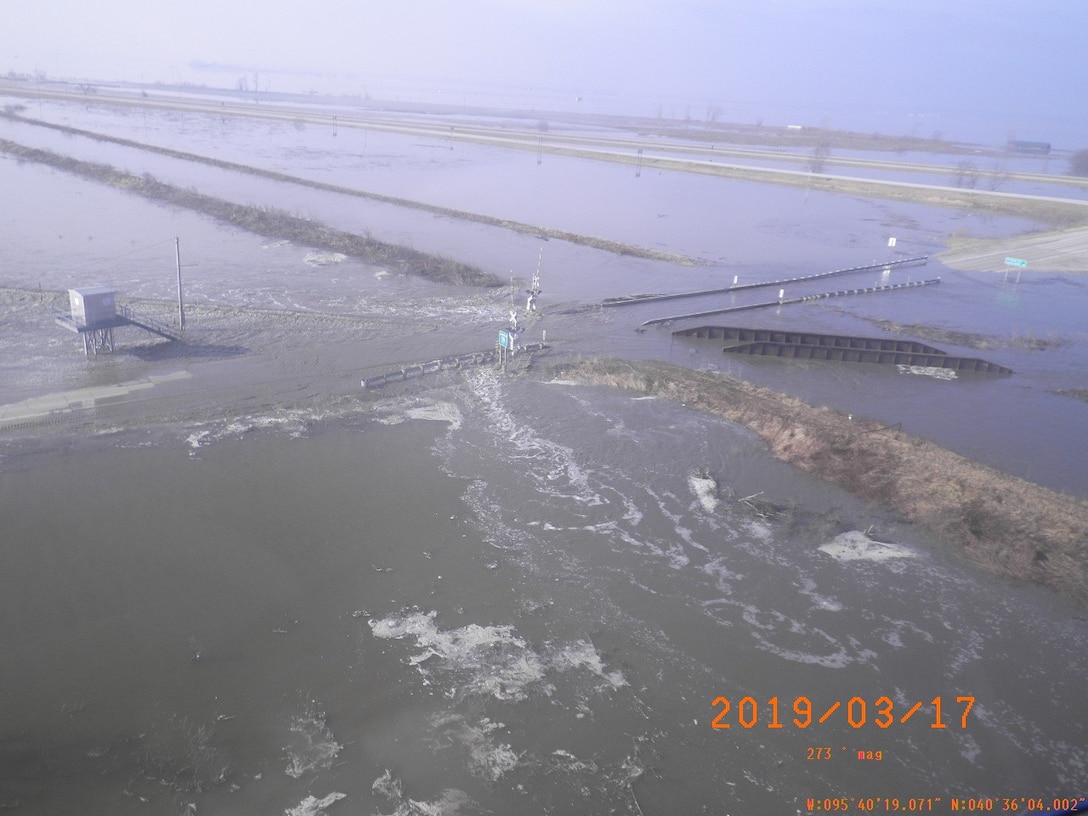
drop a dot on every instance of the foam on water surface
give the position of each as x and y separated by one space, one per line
705 488
487 756
324 258
494 661
857 546
558 474
391 788
294 422
936 372
437 412
312 806
312 746
491 661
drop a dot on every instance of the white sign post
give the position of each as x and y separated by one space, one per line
1020 265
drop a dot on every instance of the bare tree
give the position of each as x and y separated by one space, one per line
966 175
999 176
820 152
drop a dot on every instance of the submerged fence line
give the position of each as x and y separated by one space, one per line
785 301
630 300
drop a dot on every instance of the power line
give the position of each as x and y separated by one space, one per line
107 258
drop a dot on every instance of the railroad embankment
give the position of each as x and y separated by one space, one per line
1005 524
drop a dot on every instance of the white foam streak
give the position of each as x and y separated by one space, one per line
312 806
497 662
438 412
554 466
936 372
312 745
487 757
295 422
392 788
491 661
822 602
583 655
324 258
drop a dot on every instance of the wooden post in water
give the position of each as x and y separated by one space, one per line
181 302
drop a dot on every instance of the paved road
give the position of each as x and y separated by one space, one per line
423 125
1060 251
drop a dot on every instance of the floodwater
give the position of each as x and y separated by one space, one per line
246 586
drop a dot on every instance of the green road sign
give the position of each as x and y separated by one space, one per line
1016 262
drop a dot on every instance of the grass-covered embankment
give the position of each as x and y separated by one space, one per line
266 221
1007 525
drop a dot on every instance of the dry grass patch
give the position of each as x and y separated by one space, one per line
1007 525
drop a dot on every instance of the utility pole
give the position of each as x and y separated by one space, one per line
181 303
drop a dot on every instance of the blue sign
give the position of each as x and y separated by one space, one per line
1016 262
504 340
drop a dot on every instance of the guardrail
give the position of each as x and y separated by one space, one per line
629 300
786 301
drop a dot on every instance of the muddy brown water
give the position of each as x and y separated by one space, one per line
255 585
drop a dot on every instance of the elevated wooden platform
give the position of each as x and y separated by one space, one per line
98 338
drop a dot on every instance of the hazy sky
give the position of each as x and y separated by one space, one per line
925 65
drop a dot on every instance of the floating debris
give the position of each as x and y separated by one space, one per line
324 258
928 371
705 488
858 546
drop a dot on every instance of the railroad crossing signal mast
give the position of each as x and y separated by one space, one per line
534 287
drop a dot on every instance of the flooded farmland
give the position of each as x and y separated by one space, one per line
238 582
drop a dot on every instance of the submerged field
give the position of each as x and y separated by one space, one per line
1016 544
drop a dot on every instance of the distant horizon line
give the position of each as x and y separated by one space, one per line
672 106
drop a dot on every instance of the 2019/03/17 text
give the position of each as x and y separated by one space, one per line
857 711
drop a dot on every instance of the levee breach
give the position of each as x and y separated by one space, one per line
839 348
445 364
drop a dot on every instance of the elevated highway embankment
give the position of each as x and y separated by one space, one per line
1063 250
1056 251
775 166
